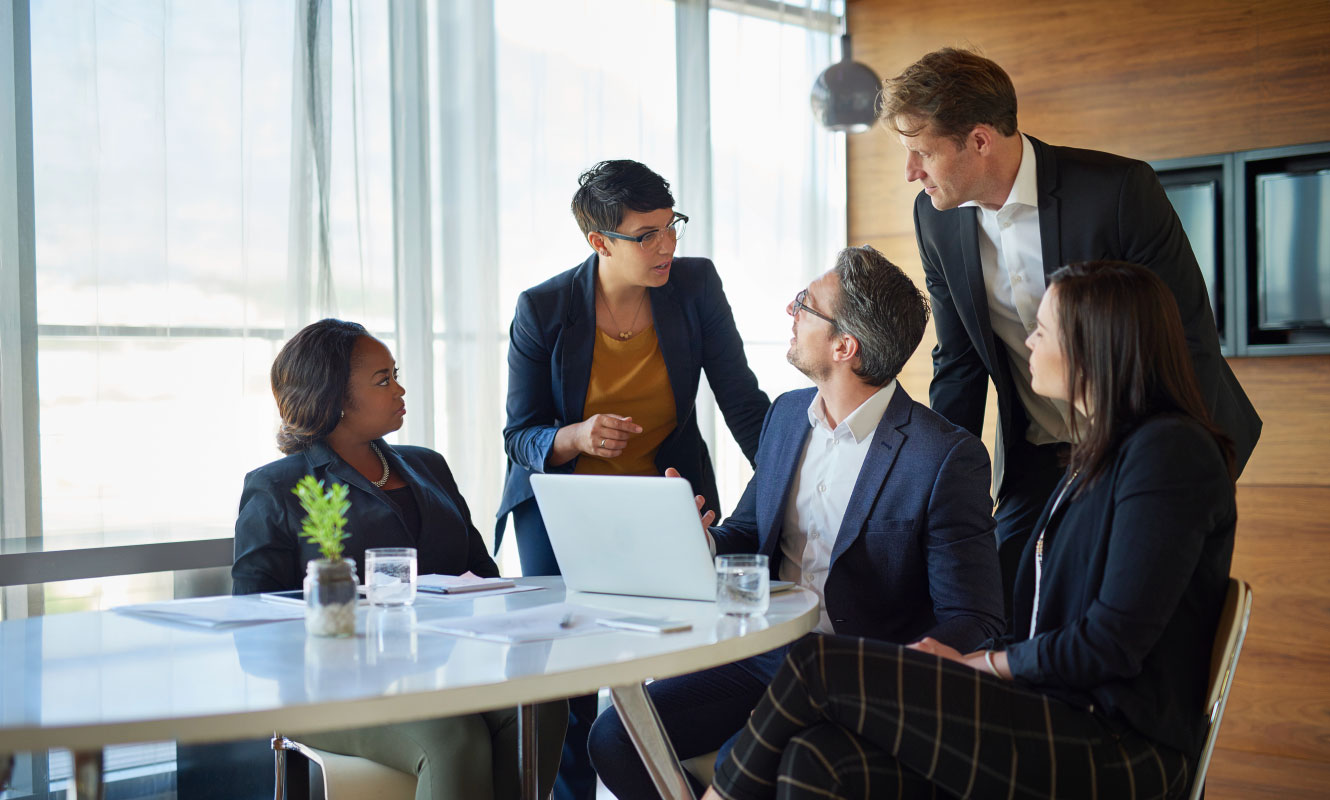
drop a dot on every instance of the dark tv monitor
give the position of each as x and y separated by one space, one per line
1196 193
1293 249
1197 205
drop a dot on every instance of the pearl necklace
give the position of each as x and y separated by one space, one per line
381 481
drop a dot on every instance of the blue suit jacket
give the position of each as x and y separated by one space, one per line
549 366
270 556
915 555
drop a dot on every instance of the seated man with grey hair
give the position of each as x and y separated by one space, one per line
860 494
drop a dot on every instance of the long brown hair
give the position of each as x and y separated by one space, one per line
1127 358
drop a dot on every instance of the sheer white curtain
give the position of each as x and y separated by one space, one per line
192 210
778 183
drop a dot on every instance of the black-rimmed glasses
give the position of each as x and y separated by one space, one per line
651 239
800 304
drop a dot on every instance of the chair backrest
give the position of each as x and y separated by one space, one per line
1223 663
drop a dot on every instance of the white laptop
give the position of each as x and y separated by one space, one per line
625 535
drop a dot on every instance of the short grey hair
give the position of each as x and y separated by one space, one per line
882 308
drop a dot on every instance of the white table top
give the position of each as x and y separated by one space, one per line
90 679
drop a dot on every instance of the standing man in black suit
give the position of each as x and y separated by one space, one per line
1001 211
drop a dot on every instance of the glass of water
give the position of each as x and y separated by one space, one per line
743 584
390 576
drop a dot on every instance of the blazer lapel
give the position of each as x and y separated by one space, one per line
971 283
672 337
341 472
887 441
579 340
773 494
1050 232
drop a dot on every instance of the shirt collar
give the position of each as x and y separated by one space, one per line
859 423
1025 189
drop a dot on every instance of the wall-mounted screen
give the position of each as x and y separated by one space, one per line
1293 250
1197 205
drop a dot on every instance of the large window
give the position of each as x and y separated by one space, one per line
211 175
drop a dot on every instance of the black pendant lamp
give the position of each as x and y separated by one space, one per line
844 96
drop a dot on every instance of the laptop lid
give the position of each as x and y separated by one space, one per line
626 535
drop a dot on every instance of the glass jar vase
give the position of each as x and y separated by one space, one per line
330 597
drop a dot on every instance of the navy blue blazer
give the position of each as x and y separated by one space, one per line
1092 206
1134 577
915 555
270 556
549 366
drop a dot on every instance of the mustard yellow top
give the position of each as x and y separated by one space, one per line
628 378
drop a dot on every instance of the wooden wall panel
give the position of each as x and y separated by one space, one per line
1163 80
1292 395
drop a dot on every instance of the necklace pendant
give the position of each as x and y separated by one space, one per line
625 335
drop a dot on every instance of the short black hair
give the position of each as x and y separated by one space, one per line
611 187
881 307
309 378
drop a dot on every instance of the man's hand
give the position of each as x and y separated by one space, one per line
707 518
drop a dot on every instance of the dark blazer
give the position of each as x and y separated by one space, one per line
1134 577
915 555
1092 206
269 555
549 366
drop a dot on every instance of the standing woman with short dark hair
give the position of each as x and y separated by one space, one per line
603 368
337 392
1098 687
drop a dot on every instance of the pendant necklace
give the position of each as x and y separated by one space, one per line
624 335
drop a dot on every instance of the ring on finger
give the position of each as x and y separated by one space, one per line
602 444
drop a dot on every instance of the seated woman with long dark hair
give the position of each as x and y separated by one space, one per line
1098 687
337 393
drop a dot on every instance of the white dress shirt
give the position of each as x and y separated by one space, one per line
1013 261
820 493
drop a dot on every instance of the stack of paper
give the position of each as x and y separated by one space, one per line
216 612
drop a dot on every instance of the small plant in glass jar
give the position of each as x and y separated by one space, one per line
331 590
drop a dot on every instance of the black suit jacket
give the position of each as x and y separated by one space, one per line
549 365
915 553
270 556
1134 576
1092 206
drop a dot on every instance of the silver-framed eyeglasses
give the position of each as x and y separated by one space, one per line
799 305
651 239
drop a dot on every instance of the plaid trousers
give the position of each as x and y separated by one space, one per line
855 718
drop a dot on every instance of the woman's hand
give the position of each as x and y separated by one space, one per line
600 435
976 660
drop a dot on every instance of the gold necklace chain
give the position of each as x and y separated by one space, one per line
624 335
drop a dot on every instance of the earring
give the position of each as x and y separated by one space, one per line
344 412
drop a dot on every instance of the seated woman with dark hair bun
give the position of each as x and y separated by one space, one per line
1098 688
337 393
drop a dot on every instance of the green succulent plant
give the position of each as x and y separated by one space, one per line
325 515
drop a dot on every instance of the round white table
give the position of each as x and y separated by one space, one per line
86 680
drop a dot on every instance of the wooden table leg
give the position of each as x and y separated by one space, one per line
88 775
642 723
528 761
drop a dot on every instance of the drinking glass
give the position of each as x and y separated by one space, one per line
743 584
390 576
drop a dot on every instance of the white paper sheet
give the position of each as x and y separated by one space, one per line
558 621
216 612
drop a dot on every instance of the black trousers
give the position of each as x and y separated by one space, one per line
854 718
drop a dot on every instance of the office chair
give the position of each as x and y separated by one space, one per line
1223 663
339 777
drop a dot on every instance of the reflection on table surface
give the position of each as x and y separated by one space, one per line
105 677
